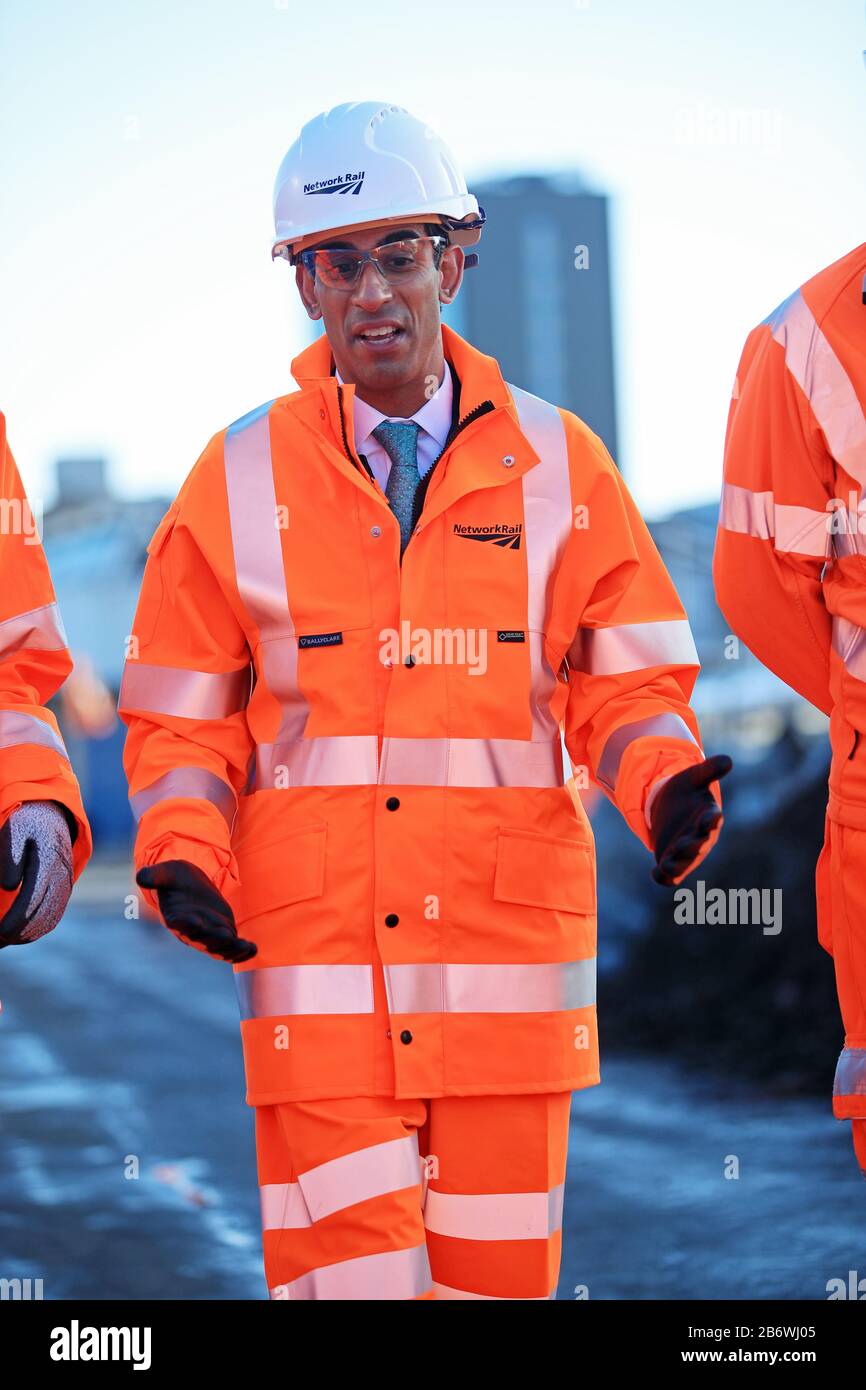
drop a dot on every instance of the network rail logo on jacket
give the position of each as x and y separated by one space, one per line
502 534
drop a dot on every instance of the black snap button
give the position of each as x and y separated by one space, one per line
405 1036
392 803
410 660
391 920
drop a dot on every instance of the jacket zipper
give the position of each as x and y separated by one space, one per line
345 440
481 409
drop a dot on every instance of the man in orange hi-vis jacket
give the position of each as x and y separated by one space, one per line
44 834
789 573
363 623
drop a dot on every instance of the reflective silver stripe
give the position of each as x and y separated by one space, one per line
555 1203
182 693
849 540
329 761
356 1177
824 381
746 512
275 991
850 1078
656 726
340 1183
547 521
194 782
350 760
849 644
542 686
495 1215
470 762
283 1207
258 556
445 1292
18 728
40 629
801 530
490 989
393 1274
547 508
614 651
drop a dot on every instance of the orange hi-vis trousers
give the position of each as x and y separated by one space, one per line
375 1198
841 896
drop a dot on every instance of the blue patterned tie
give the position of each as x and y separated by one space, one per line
399 439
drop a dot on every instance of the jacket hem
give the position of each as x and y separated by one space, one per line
846 812
498 1088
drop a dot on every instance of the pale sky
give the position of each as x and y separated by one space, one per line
138 146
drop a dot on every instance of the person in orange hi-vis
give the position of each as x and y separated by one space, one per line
789 569
363 623
44 833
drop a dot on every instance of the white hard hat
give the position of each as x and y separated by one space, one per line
368 162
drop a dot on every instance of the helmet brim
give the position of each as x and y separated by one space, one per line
465 231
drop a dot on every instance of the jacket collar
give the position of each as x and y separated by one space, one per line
477 378
479 375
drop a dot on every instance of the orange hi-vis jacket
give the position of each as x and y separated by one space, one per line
790 570
34 663
384 805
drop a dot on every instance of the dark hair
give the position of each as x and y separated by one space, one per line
436 229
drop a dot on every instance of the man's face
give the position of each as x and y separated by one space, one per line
413 309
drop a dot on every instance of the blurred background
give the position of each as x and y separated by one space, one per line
656 179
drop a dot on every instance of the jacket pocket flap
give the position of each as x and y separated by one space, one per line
545 871
282 871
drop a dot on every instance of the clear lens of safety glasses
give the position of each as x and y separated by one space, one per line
398 262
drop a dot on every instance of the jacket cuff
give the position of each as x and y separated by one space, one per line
63 791
645 763
71 822
651 796
219 865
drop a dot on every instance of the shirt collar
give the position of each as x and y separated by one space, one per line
434 415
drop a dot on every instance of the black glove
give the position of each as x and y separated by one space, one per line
35 858
194 910
683 815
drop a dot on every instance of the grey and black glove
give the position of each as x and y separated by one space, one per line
36 858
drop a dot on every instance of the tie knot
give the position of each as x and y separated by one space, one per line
399 439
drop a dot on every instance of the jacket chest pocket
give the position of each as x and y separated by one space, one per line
545 871
289 869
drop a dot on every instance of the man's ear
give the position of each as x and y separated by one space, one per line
307 291
451 273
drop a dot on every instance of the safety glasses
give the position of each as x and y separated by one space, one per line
398 262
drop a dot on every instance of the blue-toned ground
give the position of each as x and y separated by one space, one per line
121 1048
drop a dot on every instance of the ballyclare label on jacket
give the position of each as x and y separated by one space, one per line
321 639
510 635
